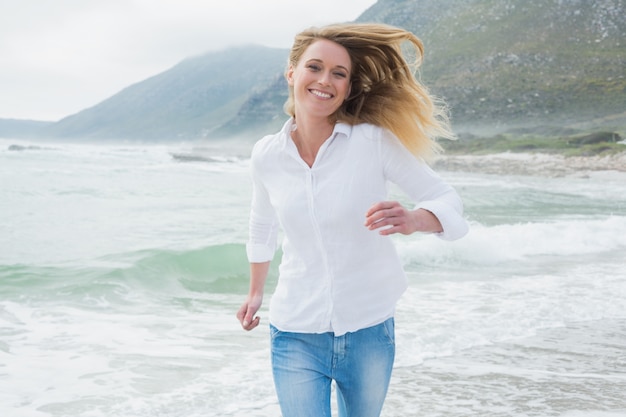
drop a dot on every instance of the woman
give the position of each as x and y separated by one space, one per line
359 120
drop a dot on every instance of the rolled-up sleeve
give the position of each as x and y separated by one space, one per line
447 212
425 187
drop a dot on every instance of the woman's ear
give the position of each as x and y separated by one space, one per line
289 75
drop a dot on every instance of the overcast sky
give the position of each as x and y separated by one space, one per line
58 57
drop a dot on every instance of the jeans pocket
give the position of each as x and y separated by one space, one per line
274 332
389 330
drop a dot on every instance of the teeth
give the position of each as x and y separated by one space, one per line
320 94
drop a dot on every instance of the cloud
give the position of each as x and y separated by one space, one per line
59 57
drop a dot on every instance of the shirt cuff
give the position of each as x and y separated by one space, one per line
453 224
258 253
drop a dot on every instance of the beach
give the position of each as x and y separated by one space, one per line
556 372
122 268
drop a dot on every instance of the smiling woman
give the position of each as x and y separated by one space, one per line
324 180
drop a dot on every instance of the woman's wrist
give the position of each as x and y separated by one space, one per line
425 221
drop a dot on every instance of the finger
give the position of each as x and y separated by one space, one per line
390 230
252 324
241 313
398 225
386 217
249 317
383 209
381 205
378 216
379 223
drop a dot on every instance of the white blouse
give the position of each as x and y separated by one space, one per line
335 274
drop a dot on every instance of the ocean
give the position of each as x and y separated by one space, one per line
122 267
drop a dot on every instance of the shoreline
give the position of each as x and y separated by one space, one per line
535 164
557 367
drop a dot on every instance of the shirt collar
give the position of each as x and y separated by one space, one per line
340 128
343 128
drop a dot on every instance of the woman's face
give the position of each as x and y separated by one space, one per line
321 79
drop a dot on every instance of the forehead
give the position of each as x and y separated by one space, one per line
329 52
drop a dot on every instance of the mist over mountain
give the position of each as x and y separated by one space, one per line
497 63
10 128
189 101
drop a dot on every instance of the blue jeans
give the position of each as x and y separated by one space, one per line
360 363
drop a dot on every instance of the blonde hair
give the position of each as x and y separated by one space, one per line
384 88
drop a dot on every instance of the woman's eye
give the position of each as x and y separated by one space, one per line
340 75
313 67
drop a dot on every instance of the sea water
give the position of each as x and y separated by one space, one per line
122 267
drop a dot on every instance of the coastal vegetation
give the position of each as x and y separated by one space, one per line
598 143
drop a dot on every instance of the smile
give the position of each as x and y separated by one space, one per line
321 94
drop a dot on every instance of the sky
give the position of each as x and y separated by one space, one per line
58 57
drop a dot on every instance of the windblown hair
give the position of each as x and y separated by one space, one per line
384 88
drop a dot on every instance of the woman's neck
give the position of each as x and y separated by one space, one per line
309 135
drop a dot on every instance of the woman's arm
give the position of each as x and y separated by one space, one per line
258 276
438 207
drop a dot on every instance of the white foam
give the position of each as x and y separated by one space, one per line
487 245
594 413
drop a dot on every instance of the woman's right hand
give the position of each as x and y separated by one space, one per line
247 311
258 275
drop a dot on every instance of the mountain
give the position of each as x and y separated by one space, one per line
22 128
497 64
519 61
190 101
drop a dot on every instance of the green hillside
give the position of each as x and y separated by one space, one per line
517 62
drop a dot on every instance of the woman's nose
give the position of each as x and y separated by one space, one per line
324 79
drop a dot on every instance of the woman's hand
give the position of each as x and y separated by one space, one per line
247 311
391 217
258 275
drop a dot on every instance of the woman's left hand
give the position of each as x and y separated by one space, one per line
395 218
